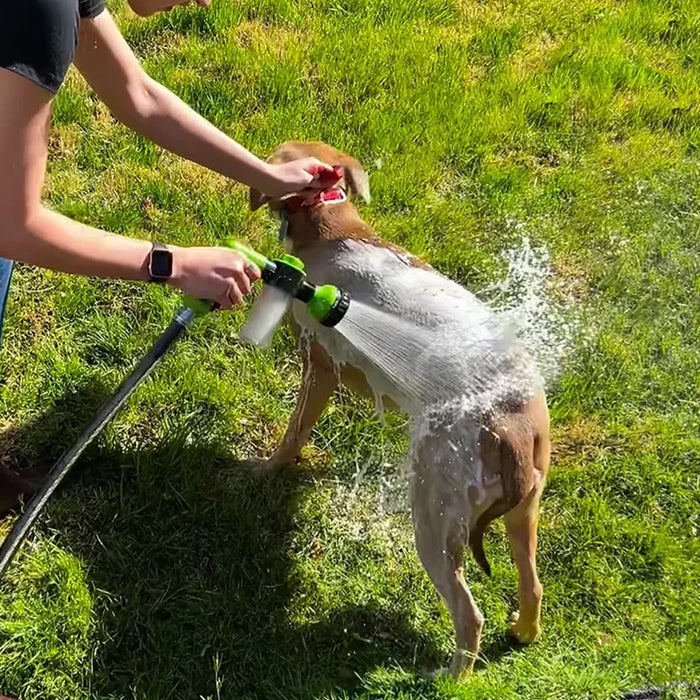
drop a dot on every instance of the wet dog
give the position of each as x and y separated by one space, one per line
472 461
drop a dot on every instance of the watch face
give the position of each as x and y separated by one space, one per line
161 264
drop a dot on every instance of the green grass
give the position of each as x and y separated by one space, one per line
163 570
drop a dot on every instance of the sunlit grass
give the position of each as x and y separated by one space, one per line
165 570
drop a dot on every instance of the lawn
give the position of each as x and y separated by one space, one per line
164 569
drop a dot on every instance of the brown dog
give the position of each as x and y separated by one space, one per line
471 463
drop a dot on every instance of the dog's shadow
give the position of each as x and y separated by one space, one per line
189 558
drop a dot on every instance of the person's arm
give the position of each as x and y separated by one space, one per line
33 234
110 67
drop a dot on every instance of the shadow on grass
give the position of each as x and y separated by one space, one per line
500 647
188 554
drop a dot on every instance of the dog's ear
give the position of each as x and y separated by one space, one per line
256 199
356 178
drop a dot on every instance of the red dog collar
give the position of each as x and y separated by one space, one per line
314 199
330 194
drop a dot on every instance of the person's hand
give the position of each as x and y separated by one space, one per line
295 176
217 274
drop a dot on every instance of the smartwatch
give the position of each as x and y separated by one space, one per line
160 263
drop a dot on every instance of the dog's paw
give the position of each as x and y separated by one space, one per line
441 672
444 672
462 664
523 632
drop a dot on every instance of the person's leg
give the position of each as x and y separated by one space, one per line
12 486
5 277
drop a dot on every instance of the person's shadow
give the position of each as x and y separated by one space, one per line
188 555
190 559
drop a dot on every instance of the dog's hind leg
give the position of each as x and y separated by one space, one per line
521 526
440 540
319 380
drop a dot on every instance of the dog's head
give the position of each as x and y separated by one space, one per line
354 179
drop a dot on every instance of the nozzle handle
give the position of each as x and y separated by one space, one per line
252 255
204 306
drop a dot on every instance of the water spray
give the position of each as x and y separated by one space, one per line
284 279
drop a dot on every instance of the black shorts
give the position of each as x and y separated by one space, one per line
38 37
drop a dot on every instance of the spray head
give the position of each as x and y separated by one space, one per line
329 305
285 280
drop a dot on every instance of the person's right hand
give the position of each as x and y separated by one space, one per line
217 274
295 176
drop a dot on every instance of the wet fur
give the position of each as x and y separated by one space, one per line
511 442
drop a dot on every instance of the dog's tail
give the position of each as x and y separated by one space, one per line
511 449
476 534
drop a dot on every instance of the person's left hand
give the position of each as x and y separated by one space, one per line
295 176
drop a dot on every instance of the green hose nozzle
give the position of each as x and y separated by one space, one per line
326 303
329 305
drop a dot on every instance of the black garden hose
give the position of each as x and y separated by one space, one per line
181 322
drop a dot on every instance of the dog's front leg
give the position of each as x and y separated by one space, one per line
317 385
